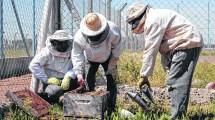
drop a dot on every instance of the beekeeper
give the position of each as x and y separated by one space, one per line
99 40
179 43
53 66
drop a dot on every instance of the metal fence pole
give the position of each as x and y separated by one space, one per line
20 27
119 14
83 8
90 7
1 30
44 24
208 25
108 16
33 30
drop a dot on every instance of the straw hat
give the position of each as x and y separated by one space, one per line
93 24
135 10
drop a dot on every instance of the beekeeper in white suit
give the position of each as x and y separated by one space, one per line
52 66
99 40
179 43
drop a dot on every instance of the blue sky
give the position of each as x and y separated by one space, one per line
195 10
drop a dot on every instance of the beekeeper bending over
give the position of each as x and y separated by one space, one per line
53 66
179 43
99 41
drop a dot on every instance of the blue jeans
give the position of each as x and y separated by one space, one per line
179 79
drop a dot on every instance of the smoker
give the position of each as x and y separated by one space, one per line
137 97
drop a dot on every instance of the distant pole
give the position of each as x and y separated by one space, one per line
83 11
33 31
108 16
119 15
20 27
208 25
89 6
1 30
178 7
99 6
72 26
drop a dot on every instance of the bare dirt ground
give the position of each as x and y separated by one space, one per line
13 84
198 95
161 94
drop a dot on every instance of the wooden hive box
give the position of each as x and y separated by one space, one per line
85 105
29 102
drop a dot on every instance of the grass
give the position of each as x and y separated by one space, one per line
128 73
15 53
130 64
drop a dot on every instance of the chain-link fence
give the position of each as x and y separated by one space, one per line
25 24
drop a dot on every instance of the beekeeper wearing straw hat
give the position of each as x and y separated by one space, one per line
179 43
99 41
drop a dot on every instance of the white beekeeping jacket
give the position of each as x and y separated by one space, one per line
166 31
100 53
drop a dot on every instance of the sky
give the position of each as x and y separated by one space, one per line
195 10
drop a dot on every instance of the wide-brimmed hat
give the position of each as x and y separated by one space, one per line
93 24
60 35
135 10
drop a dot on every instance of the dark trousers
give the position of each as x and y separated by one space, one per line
53 92
179 79
111 83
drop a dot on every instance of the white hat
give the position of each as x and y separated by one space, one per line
93 24
135 10
60 35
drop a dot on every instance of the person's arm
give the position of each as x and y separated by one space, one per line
78 59
37 63
153 36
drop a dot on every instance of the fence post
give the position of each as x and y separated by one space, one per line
1 30
44 24
89 9
208 25
119 14
108 16
33 30
20 27
83 11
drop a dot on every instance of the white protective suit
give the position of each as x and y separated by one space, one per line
100 53
51 63
166 31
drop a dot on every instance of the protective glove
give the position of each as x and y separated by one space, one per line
53 80
67 78
113 72
144 81
66 82
81 81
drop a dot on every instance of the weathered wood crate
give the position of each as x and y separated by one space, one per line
85 105
29 102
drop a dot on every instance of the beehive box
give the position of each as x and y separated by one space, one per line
85 105
29 102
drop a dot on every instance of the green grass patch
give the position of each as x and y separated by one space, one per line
130 64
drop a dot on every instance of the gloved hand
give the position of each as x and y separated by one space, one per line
53 80
66 82
143 81
81 80
113 72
